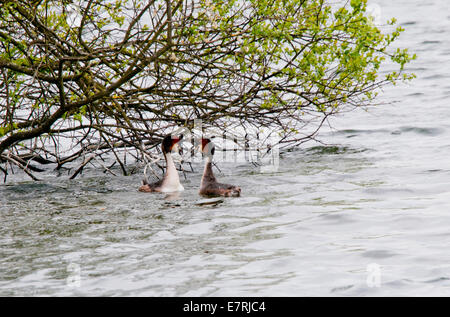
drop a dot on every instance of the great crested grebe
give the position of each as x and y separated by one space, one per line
209 185
171 181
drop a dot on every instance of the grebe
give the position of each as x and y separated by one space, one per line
209 185
170 182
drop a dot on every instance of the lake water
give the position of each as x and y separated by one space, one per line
366 214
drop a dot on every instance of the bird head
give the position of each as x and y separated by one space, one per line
171 142
207 147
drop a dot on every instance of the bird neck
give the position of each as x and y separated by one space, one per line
208 175
171 171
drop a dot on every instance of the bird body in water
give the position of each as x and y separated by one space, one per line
171 180
209 185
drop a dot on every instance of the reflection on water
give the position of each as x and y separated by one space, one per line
376 196
172 196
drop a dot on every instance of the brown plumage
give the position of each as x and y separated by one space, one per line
209 185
